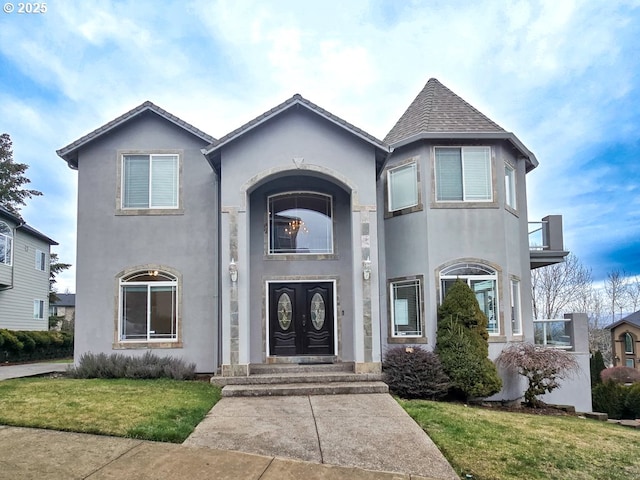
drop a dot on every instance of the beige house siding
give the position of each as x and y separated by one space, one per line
620 357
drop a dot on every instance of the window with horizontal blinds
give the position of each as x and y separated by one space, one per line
164 181
477 174
449 174
135 181
150 181
403 187
463 174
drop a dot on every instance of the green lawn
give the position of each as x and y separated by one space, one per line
490 444
161 410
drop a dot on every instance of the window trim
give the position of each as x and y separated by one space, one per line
8 240
492 273
121 210
436 203
307 255
120 279
392 338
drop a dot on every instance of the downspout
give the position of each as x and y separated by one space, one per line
219 227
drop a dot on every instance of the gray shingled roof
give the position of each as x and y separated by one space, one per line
438 113
633 319
438 109
22 225
65 300
297 99
70 152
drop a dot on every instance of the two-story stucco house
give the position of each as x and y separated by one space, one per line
24 274
298 237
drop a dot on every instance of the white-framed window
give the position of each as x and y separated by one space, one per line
516 311
38 309
510 186
463 174
406 312
150 181
483 281
148 307
628 344
300 223
6 243
41 260
402 189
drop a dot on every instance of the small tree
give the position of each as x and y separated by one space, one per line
462 345
542 367
12 178
596 364
55 267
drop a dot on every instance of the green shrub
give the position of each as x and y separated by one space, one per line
117 365
609 397
632 401
414 373
20 346
462 345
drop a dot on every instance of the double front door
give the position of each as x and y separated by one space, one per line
301 319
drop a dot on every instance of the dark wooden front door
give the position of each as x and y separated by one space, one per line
301 319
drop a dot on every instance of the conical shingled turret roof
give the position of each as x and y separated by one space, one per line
437 109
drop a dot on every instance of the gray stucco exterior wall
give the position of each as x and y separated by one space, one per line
110 243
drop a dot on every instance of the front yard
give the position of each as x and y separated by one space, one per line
161 410
491 444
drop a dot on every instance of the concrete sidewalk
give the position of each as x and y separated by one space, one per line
27 453
31 369
368 431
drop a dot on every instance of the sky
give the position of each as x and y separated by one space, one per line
563 76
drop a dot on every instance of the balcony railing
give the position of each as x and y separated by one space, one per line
556 333
546 241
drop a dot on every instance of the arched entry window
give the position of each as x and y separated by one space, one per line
148 307
483 280
6 243
301 223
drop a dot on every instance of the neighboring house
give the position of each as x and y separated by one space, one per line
64 307
625 341
300 238
24 274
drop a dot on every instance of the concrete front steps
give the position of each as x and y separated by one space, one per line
287 379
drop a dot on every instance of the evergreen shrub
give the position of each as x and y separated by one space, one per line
414 372
147 366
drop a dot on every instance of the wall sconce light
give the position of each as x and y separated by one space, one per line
233 270
366 268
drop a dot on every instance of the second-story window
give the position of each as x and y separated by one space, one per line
150 181
403 187
41 260
510 186
463 174
6 243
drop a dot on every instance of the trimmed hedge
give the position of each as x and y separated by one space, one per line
617 400
27 346
414 373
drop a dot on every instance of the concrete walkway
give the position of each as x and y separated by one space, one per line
368 431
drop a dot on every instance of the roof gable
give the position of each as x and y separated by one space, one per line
438 113
70 152
22 225
633 319
212 152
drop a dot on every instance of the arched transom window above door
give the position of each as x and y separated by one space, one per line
300 223
483 280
